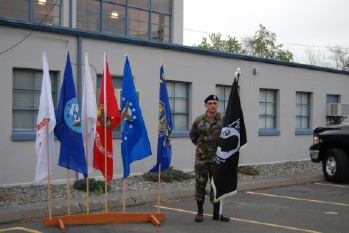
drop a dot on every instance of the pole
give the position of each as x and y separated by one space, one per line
48 171
159 187
68 190
124 197
105 135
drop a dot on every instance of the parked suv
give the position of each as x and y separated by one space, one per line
331 147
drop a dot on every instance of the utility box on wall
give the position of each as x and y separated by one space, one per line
337 109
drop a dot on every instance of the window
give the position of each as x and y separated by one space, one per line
303 112
114 17
87 15
223 93
47 12
146 19
15 9
138 23
25 101
161 20
267 112
44 12
178 94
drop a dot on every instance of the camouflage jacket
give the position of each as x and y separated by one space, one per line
204 133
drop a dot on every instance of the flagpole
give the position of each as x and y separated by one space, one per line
159 178
48 171
86 150
124 197
105 135
68 190
159 187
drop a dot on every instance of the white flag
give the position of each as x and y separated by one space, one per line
88 116
46 122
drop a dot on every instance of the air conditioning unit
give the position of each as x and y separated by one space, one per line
118 95
345 109
337 109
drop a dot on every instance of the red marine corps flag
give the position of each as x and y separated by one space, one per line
108 117
232 139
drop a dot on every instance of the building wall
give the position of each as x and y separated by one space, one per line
202 69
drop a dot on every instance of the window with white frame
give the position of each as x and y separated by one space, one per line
267 109
25 101
178 95
303 110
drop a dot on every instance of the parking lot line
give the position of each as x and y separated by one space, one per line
245 220
333 185
19 229
296 198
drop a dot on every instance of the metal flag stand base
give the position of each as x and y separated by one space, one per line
103 218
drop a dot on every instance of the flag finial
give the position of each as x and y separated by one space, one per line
237 73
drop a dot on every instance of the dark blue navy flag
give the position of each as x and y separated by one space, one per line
232 138
68 127
165 127
135 143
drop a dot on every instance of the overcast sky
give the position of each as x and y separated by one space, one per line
306 22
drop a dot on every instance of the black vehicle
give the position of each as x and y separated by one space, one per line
331 147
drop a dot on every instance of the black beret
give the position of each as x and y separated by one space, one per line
211 97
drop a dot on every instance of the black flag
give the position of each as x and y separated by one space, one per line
232 139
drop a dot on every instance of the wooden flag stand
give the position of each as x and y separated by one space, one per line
103 218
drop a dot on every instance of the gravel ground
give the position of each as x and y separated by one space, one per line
18 195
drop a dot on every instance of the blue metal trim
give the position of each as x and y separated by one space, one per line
180 133
268 132
116 135
175 47
303 132
24 136
70 13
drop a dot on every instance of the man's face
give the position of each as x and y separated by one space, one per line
211 106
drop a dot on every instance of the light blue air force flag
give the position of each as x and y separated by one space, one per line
135 143
68 127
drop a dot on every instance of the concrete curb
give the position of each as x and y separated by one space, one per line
39 210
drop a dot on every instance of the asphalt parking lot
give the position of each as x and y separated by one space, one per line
314 207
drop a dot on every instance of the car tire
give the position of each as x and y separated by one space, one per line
335 165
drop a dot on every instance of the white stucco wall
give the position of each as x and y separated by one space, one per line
203 72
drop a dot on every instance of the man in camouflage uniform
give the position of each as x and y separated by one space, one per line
204 134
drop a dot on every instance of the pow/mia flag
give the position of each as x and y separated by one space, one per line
232 139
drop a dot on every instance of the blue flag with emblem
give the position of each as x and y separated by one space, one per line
135 143
165 127
68 127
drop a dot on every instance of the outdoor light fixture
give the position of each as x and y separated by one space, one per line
114 15
42 2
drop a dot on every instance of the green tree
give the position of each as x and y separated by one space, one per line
217 43
263 44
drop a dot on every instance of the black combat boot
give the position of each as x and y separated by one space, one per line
216 214
200 215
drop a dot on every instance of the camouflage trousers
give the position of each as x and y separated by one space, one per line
203 173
